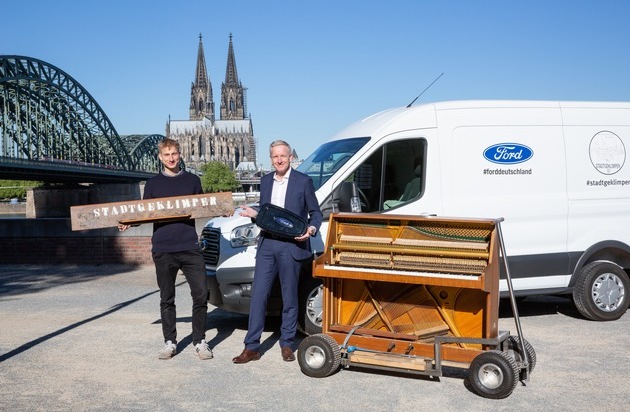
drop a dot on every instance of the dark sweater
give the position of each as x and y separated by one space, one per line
175 236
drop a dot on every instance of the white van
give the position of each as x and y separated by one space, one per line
554 170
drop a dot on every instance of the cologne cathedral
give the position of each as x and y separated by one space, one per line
202 138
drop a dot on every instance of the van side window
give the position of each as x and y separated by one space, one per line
391 176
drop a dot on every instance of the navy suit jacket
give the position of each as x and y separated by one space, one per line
301 200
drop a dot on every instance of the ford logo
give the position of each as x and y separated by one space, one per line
508 153
283 222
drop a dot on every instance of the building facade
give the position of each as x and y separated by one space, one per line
203 138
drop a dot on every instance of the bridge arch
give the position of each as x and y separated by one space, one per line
46 115
143 150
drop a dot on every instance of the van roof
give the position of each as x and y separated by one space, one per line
378 121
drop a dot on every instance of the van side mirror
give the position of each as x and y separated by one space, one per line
346 198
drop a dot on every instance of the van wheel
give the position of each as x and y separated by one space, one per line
601 291
311 307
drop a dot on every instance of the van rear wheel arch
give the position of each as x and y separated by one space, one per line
612 251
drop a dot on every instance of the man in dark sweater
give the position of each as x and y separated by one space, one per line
175 247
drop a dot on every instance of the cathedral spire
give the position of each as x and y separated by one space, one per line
201 103
232 92
231 76
202 73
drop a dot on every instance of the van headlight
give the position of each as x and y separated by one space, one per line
245 235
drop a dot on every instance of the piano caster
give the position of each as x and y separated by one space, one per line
319 356
521 355
493 374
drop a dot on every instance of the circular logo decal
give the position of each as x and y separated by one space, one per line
508 153
607 152
283 222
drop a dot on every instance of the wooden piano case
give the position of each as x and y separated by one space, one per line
406 293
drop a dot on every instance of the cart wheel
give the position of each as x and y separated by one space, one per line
529 349
493 374
319 356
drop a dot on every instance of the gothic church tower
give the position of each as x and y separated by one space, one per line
201 103
232 93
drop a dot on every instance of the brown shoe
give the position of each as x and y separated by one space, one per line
246 356
287 354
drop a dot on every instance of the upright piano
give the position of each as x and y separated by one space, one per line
396 285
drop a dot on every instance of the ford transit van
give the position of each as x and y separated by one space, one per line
556 171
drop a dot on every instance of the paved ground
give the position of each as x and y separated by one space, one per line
86 338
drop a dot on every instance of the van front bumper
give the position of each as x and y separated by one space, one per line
231 290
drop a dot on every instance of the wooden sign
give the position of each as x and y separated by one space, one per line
133 212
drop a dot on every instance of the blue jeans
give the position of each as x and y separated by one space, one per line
191 263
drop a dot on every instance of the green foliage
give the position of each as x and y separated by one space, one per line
217 177
10 189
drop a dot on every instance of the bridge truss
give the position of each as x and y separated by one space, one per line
47 116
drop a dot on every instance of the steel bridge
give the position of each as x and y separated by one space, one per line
54 131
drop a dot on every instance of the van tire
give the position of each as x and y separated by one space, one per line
601 291
310 307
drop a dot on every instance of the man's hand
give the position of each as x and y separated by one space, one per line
310 232
248 212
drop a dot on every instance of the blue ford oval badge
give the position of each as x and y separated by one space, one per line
508 153
283 222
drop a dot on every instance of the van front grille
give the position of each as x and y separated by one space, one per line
210 243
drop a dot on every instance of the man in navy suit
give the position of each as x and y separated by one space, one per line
277 256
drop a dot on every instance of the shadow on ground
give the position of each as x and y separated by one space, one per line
18 280
540 306
44 338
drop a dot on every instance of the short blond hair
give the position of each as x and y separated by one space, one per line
279 143
168 143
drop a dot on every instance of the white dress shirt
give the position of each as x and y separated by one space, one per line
279 190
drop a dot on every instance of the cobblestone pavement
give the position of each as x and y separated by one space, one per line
86 338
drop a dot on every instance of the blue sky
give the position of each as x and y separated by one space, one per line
312 67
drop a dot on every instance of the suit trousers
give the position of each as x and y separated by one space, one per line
191 263
274 259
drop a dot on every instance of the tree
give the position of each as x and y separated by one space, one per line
217 177
10 189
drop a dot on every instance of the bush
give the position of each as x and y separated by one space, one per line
10 189
217 177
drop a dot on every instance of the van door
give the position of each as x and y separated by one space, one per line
390 175
509 163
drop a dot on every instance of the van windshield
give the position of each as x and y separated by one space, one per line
329 157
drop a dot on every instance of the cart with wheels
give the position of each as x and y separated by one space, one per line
415 294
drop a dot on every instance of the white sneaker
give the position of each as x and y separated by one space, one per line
203 351
168 351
